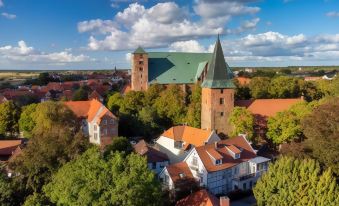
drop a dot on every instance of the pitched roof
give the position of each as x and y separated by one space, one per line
7 147
267 107
151 154
187 134
228 161
139 50
179 171
92 110
243 80
95 95
219 74
199 198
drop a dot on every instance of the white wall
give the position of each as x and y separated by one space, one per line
166 145
166 179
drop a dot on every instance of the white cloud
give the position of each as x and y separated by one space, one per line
162 25
187 46
1 3
8 16
332 14
24 53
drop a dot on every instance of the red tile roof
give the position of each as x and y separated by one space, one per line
179 171
228 161
151 154
267 107
7 147
199 198
189 135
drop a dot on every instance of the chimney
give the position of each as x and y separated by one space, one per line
216 145
224 201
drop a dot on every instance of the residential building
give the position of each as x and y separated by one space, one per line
156 160
222 167
178 141
203 198
98 123
8 148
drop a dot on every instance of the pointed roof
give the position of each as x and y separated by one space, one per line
139 50
219 74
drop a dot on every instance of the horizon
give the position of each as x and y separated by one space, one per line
52 35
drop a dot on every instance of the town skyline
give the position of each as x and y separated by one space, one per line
101 35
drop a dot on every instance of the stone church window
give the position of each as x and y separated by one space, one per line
222 100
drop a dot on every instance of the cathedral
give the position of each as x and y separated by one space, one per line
210 70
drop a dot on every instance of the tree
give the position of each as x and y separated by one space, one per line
171 104
193 117
56 139
119 144
9 115
132 103
150 122
259 87
285 87
310 91
286 126
93 180
153 93
114 102
321 129
242 121
26 121
6 191
291 181
80 94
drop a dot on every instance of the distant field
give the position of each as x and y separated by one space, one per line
16 78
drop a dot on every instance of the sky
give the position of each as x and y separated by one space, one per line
101 34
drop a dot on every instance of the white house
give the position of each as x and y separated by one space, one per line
178 141
224 166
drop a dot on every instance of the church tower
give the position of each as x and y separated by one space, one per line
217 99
139 70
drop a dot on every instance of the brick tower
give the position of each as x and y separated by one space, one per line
139 70
217 99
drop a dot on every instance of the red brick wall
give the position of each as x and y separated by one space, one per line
108 130
139 72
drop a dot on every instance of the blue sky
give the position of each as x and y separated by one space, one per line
100 34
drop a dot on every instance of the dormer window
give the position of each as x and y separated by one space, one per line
237 156
181 175
218 162
234 151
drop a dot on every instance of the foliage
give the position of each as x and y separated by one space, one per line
119 144
80 94
311 91
194 108
9 115
37 200
55 140
6 191
24 100
26 121
92 180
321 129
259 87
132 103
291 181
114 102
286 126
242 121
285 87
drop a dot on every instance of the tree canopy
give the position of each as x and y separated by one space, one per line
291 181
194 108
242 121
9 116
93 180
26 121
259 87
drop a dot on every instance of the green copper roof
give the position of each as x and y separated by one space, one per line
139 50
200 69
219 74
175 67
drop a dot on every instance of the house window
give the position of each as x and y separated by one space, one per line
221 91
221 113
95 136
222 100
112 131
105 122
141 69
178 144
244 186
105 131
111 121
195 161
154 165
218 162
95 128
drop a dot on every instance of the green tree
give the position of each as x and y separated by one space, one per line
132 103
171 104
291 181
150 121
55 140
259 87
119 144
9 116
285 87
242 121
153 93
114 102
93 180
286 126
6 190
26 121
37 200
194 108
80 94
321 129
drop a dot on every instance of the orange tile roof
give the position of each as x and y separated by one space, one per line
199 198
214 153
243 80
189 135
174 170
89 109
234 149
152 154
267 107
228 161
7 147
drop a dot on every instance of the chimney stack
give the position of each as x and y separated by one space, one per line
224 201
216 145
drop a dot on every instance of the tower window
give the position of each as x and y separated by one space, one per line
222 100
141 75
221 114
141 69
221 91
141 62
140 55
